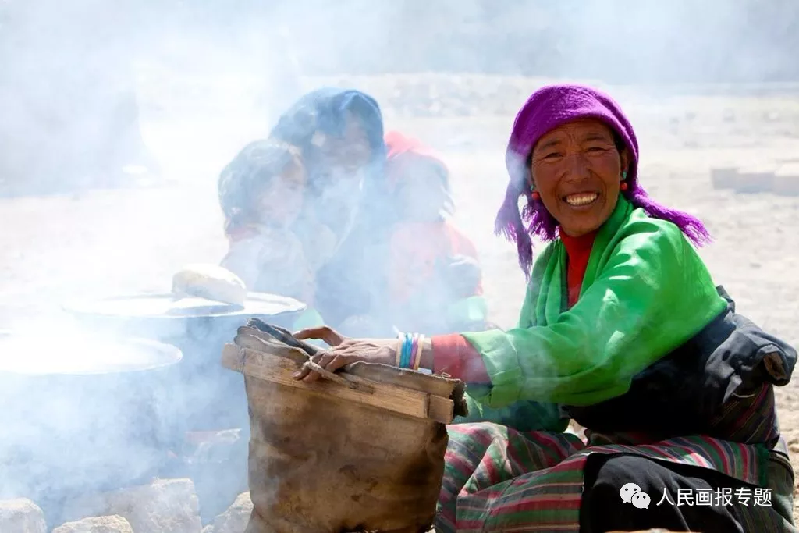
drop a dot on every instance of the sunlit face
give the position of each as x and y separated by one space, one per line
281 199
576 169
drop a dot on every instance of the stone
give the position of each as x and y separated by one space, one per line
786 180
217 464
102 524
235 519
724 177
21 516
755 179
165 506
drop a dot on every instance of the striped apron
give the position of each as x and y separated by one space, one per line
499 479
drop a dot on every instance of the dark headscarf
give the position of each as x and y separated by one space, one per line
325 111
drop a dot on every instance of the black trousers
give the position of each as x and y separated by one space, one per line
603 508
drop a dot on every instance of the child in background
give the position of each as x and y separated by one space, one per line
262 194
434 274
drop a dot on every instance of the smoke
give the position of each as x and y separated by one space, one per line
92 90
619 41
81 413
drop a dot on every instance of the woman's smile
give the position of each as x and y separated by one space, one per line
581 199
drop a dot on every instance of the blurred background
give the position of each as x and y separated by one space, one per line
79 78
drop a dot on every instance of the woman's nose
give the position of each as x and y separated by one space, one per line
576 166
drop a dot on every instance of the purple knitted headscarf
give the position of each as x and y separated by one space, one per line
546 109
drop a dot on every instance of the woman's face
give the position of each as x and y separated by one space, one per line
342 164
576 170
350 151
281 199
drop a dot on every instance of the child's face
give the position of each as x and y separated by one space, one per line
419 190
281 199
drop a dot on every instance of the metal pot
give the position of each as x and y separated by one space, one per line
211 397
83 413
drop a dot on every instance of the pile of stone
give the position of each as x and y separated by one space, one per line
164 506
167 506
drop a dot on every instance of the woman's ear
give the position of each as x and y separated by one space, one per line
624 160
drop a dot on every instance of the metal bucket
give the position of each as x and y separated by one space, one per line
83 413
210 396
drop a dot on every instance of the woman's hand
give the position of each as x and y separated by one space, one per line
345 351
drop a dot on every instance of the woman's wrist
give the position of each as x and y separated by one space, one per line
412 351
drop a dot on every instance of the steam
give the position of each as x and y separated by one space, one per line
82 80
81 412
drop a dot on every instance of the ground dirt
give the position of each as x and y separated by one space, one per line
54 249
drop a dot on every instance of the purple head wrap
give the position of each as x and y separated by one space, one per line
546 109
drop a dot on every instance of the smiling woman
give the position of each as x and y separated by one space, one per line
623 330
537 119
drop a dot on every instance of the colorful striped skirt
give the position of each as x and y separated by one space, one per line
498 479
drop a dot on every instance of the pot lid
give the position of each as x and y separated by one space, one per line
46 353
167 306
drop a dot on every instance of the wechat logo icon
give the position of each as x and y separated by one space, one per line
632 493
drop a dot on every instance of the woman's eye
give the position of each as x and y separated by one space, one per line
596 149
552 156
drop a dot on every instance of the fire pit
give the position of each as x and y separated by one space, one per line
82 413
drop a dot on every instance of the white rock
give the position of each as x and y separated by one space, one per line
164 506
103 524
235 519
786 180
755 179
724 177
21 516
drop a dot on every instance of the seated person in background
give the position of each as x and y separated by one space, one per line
262 193
340 136
434 276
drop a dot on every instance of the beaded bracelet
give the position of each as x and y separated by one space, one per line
409 350
400 348
400 344
404 350
418 352
412 355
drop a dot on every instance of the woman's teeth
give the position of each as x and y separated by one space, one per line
581 199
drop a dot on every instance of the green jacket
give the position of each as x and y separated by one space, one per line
645 292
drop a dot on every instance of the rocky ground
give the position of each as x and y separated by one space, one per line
53 249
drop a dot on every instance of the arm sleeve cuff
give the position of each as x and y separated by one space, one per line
454 355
